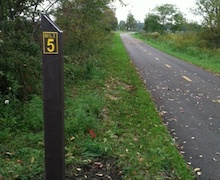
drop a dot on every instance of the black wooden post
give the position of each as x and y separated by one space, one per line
53 97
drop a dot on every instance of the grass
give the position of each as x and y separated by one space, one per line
111 100
143 143
21 137
179 46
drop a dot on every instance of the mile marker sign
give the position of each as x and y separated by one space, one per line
50 43
53 98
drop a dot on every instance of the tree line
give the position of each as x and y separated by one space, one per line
168 18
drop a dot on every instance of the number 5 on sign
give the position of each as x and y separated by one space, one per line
50 42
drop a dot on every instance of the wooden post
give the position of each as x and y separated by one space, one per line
53 98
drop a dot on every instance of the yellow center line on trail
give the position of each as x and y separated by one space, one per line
167 65
186 78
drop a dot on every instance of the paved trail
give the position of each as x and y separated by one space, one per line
189 100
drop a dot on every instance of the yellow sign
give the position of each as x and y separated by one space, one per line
50 42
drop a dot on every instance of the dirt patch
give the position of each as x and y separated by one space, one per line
99 169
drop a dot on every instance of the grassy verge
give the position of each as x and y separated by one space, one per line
145 148
108 114
204 58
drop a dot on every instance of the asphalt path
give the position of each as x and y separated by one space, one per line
188 99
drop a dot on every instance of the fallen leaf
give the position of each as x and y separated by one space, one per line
19 161
135 139
72 138
98 174
214 159
32 160
8 153
181 147
97 163
92 133
199 173
140 160
78 169
181 110
16 176
69 154
173 119
197 169
40 143
105 140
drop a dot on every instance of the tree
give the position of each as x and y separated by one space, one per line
178 22
166 12
14 8
152 23
86 25
139 26
210 11
169 17
122 26
19 49
192 26
130 22
109 20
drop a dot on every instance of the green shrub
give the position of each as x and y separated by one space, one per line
20 72
32 119
9 112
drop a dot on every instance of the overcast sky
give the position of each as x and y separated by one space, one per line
139 8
